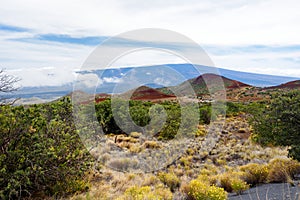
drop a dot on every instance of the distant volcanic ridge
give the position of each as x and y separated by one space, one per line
214 80
288 85
147 93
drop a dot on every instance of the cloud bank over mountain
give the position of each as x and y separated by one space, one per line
256 36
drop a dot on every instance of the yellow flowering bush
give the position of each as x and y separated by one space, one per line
198 190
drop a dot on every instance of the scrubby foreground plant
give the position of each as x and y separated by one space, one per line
40 151
200 190
145 193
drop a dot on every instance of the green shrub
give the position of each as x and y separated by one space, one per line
201 131
278 122
232 182
283 170
205 114
208 178
239 186
139 113
170 180
40 149
145 192
151 145
138 193
233 109
225 181
255 173
197 190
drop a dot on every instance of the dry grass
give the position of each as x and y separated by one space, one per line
219 166
151 145
170 180
255 173
283 170
135 134
145 192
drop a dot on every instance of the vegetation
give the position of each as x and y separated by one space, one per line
170 180
232 182
145 192
279 122
283 170
197 190
139 113
40 151
255 173
7 85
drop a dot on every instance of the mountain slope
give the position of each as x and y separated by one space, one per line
147 94
187 71
199 85
288 85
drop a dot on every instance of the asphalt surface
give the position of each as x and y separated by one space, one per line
274 191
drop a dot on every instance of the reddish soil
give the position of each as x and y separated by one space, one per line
214 79
101 97
288 85
149 94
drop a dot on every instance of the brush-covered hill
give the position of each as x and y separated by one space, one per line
200 84
145 93
288 85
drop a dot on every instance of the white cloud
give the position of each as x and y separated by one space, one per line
46 76
269 62
112 79
87 81
162 81
215 22
147 57
237 22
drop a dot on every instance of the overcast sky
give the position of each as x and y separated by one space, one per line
43 42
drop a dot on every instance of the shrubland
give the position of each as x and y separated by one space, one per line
42 154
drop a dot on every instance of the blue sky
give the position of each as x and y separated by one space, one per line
55 37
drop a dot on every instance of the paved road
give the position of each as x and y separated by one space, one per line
275 191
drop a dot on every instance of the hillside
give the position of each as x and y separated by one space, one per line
260 93
86 98
288 85
187 71
200 83
145 93
213 79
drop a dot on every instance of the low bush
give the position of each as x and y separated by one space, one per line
40 151
197 190
283 170
208 178
239 186
170 180
255 173
201 131
151 145
145 192
232 182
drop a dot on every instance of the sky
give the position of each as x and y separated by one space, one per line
45 42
